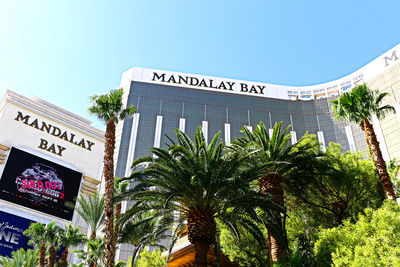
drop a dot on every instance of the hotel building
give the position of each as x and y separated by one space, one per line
48 156
167 100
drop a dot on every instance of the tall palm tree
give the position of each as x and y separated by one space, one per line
275 157
69 236
109 108
119 188
358 106
199 182
91 209
37 238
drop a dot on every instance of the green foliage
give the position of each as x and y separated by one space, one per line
340 186
70 236
374 240
245 250
303 249
21 258
36 233
277 162
120 264
110 106
142 230
360 104
394 173
95 252
192 177
150 259
91 209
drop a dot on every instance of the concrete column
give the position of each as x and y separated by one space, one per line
350 138
132 143
294 137
182 123
321 140
227 134
204 127
381 138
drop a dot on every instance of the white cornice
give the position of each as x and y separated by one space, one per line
336 87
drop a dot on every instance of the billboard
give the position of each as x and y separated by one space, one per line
39 184
11 233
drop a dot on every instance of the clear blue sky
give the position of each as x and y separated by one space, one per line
65 51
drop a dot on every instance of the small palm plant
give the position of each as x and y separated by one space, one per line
69 236
37 238
143 230
52 238
91 209
94 255
21 258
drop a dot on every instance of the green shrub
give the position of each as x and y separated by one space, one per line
149 259
374 240
245 251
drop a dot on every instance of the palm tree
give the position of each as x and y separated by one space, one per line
37 238
20 258
201 184
142 230
109 108
69 236
91 209
358 106
94 254
52 238
275 157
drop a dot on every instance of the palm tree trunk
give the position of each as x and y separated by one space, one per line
201 229
378 159
109 189
52 256
118 208
271 184
42 254
201 251
64 255
92 236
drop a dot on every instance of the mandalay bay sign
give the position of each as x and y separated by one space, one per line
242 87
55 131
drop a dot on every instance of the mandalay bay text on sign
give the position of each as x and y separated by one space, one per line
54 131
208 83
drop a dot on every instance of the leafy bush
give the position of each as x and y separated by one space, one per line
245 251
150 259
340 186
374 240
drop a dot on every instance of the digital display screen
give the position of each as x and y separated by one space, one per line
39 184
11 233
